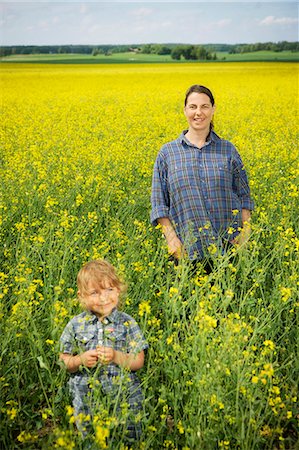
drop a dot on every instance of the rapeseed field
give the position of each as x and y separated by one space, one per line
78 144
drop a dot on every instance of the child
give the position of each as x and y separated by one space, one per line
98 344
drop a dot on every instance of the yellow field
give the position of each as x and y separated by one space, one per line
78 147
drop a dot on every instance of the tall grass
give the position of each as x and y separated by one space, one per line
79 145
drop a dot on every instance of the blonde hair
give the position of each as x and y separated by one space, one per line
101 272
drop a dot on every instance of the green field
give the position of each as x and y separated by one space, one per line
263 55
131 57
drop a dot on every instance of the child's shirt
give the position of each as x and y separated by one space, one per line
85 332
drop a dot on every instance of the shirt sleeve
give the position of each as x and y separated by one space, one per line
136 340
67 339
160 193
240 182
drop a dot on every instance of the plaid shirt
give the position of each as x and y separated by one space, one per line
202 191
119 331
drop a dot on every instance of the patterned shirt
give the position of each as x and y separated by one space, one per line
85 332
201 190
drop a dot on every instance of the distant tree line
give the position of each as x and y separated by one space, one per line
62 49
275 47
177 51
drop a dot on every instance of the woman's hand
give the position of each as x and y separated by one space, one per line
175 246
242 239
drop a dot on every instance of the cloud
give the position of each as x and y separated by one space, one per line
222 23
142 12
272 20
43 24
83 8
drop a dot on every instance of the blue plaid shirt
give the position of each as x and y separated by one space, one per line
85 332
201 190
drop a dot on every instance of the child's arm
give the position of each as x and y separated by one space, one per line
73 362
130 361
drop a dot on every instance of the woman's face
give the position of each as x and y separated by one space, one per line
199 111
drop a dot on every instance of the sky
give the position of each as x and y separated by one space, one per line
122 22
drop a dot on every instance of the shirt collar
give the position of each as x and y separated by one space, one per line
113 317
212 137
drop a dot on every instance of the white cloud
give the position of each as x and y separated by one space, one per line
222 23
94 29
83 8
43 24
142 12
272 20
166 24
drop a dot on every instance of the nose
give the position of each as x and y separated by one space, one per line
198 110
104 295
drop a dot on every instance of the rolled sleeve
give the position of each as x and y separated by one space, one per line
247 203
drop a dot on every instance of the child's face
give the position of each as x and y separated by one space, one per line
100 300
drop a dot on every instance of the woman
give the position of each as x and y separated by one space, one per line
200 192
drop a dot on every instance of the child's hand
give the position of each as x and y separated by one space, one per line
105 354
89 358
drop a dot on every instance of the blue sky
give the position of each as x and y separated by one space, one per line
122 22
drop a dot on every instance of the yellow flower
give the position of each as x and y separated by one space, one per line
173 291
285 293
144 308
180 427
269 344
101 435
25 437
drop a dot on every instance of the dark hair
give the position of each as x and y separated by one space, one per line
200 90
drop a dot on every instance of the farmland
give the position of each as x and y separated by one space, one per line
133 58
78 147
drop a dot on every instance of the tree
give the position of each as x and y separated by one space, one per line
176 53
